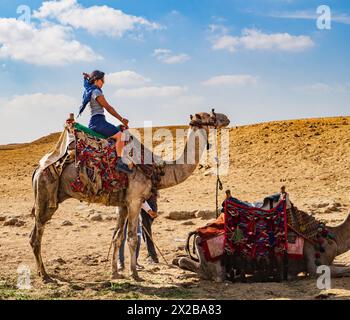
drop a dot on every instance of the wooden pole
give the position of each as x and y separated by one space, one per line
144 229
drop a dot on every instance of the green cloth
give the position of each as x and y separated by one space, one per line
86 130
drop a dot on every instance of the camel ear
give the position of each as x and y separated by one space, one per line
191 116
198 116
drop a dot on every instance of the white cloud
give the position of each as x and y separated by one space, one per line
218 28
38 102
231 80
152 92
226 42
131 85
34 115
252 39
95 19
320 87
310 15
341 18
126 78
294 15
317 87
166 56
43 45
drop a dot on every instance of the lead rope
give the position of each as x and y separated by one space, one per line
218 181
145 230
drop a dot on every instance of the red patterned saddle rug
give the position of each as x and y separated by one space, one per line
96 160
253 232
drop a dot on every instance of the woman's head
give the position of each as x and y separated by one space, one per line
98 78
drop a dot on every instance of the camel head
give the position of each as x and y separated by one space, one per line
209 120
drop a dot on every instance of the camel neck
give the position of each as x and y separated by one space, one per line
342 235
179 170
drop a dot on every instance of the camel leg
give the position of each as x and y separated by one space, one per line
132 241
133 221
339 264
117 240
42 215
188 264
338 272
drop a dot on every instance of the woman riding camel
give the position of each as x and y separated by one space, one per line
93 94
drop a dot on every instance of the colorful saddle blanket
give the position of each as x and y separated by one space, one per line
253 232
96 161
212 239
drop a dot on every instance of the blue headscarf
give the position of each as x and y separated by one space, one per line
89 88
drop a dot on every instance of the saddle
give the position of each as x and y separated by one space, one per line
267 200
95 158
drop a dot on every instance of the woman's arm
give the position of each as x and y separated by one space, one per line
103 102
148 209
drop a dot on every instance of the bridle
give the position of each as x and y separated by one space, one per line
199 123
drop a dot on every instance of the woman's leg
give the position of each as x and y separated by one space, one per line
123 163
119 143
139 236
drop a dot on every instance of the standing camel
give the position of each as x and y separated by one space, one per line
128 201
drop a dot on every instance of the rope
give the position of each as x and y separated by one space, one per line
110 246
218 181
144 229
188 250
302 235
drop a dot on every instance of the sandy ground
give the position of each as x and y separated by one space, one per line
311 157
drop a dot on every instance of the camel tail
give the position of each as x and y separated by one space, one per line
32 212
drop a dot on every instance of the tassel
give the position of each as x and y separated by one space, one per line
317 262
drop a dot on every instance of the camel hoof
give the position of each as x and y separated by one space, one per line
117 276
175 262
47 280
136 277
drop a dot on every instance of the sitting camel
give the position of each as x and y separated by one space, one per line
128 201
333 247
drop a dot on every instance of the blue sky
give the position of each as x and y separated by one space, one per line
253 60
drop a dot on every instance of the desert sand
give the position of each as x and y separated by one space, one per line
311 157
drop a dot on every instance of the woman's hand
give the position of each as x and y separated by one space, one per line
125 122
152 214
